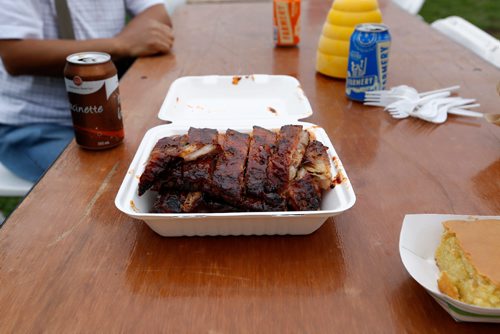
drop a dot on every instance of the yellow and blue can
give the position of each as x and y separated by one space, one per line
368 60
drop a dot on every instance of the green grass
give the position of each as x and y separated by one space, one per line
8 204
483 13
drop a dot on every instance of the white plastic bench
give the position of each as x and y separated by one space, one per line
411 6
11 185
471 37
172 5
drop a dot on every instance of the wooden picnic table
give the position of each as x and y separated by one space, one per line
71 262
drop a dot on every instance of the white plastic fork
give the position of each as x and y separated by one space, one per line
409 106
399 114
409 91
383 101
397 90
429 107
387 101
447 89
382 98
438 108
468 113
455 111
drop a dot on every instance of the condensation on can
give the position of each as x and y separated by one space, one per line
368 60
92 84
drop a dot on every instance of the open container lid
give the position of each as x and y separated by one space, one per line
236 102
258 99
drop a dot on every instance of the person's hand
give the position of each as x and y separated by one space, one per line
145 37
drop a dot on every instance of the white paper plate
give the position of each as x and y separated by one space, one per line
419 239
215 102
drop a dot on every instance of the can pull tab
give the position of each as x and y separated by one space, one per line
87 60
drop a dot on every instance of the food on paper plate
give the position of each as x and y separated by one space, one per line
207 171
469 260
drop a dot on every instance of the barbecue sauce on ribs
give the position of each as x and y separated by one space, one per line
205 171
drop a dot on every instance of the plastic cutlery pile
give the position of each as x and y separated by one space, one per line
432 106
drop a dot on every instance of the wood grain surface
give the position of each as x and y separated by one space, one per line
71 262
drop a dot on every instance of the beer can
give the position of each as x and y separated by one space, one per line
368 60
92 85
286 22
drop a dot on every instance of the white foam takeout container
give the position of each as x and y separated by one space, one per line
419 239
223 102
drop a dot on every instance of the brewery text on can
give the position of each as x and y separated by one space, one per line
92 85
368 60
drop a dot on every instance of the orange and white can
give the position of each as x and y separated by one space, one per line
286 20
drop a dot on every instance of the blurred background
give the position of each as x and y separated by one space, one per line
485 14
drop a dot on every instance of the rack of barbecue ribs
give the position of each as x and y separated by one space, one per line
206 171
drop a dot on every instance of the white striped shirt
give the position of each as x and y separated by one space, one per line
38 99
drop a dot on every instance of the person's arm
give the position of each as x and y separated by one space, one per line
148 33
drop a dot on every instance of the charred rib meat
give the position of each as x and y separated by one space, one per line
304 194
201 203
205 171
317 163
169 202
170 153
261 144
313 176
286 157
199 163
227 180
201 143
163 153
